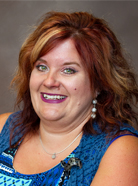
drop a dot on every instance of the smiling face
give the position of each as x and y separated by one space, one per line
60 87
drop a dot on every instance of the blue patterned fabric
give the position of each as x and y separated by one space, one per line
9 177
90 151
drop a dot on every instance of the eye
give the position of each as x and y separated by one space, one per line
69 71
42 67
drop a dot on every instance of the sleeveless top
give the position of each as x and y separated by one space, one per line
89 152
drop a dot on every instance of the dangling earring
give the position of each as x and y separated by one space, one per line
94 108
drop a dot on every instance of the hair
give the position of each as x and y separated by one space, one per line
102 56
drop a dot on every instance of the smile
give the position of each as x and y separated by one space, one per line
52 98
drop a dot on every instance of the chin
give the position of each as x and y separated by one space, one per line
50 116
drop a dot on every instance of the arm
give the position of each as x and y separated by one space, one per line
3 118
119 165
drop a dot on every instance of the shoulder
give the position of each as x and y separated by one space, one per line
3 118
119 165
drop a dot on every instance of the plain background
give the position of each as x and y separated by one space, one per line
17 17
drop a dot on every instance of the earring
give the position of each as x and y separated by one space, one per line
94 108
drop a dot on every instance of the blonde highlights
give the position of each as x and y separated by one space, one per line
41 42
103 59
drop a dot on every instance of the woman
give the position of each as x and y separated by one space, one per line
75 90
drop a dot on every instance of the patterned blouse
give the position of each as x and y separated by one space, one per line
57 176
89 152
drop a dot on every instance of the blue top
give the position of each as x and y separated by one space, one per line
90 151
9 176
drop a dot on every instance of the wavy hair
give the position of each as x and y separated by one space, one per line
102 56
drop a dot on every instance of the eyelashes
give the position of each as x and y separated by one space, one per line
67 70
42 68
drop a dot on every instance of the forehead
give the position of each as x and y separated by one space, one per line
64 51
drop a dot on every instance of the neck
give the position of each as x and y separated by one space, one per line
62 126
53 155
54 129
57 140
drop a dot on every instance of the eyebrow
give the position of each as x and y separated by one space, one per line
66 63
40 59
71 63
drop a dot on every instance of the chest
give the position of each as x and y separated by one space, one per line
9 175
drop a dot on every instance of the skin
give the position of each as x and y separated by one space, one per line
62 74
60 123
3 118
58 72
119 165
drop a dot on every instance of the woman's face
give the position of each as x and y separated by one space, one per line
60 87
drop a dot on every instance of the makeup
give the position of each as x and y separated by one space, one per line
53 98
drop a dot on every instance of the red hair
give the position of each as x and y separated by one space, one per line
102 57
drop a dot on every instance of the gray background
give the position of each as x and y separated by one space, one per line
17 17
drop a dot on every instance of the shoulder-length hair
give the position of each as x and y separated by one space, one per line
102 57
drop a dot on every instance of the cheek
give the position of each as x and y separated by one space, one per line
83 94
31 83
35 82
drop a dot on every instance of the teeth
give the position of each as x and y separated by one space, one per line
53 97
44 95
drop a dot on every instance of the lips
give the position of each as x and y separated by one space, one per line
52 98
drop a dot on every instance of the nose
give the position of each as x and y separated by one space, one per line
51 80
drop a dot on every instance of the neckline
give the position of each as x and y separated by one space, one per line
72 154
